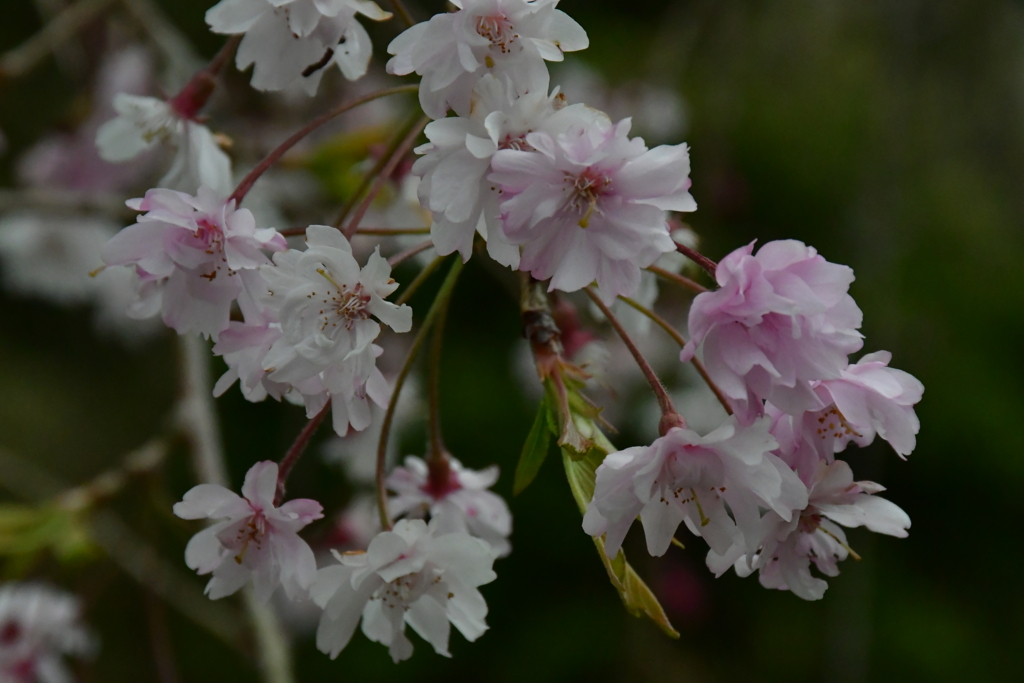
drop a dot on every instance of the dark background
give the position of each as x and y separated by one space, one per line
887 134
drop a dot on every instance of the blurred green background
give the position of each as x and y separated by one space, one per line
890 135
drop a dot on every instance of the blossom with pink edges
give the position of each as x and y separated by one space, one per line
255 540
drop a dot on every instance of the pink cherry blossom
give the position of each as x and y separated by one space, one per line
462 504
589 205
255 540
194 256
686 477
511 38
416 575
780 320
868 398
816 535
39 626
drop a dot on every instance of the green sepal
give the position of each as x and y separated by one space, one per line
635 594
536 447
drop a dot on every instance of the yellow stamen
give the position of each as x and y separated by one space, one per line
704 521
836 538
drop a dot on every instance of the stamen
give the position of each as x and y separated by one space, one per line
836 539
704 521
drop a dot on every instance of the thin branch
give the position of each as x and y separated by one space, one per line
382 446
376 232
402 12
419 280
160 640
403 148
664 400
254 175
679 339
700 259
29 54
678 279
296 451
409 253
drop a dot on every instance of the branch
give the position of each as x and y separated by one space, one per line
296 451
679 339
243 188
382 177
382 446
700 259
409 253
678 279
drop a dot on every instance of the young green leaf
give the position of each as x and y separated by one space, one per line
535 450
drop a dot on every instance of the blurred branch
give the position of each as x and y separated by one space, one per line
27 56
70 54
182 58
127 550
198 419
67 200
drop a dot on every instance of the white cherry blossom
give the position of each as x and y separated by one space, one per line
144 122
256 540
457 160
589 205
412 575
194 256
39 626
294 41
453 51
324 302
816 535
685 477
461 503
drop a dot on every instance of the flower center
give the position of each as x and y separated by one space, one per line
499 30
344 306
10 632
833 425
516 142
211 240
253 532
584 192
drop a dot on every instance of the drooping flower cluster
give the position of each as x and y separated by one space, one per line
39 626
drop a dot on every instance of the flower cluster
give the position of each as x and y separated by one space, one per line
39 626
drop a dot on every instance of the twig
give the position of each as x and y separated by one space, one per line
375 170
678 279
385 173
419 280
199 421
129 552
409 253
26 56
296 451
254 175
160 640
664 400
376 232
679 339
700 259
382 446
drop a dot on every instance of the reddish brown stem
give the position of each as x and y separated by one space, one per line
409 253
679 339
678 279
197 91
700 259
668 411
385 173
243 188
378 232
296 451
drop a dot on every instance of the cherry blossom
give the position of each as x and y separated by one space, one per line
412 575
194 256
256 540
462 503
816 534
39 626
685 477
780 320
458 157
590 204
294 41
868 398
509 38
324 302
144 122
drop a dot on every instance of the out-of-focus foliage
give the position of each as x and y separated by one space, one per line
890 135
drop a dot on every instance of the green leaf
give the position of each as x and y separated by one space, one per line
535 450
635 594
